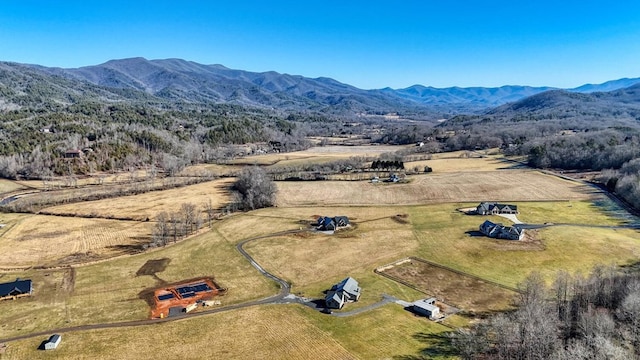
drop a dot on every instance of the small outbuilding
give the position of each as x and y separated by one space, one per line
53 342
427 307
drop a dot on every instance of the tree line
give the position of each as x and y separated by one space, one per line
577 317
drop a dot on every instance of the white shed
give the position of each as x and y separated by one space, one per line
426 307
53 342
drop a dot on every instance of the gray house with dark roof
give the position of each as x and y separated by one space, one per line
326 223
492 208
499 231
347 290
16 289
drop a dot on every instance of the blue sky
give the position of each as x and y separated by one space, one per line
368 44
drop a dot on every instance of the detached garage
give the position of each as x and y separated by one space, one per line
427 307
53 342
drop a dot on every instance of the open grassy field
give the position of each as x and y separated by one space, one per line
507 185
312 262
7 186
275 332
148 205
321 153
431 227
445 238
53 240
453 164
112 291
267 332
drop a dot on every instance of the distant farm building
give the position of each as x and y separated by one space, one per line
53 342
426 307
499 231
326 223
347 290
491 208
16 289
73 153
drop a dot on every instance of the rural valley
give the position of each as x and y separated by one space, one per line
163 207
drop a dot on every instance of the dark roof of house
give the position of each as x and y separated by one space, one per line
18 286
55 338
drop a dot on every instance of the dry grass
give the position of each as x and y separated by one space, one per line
466 293
148 205
47 240
326 152
385 333
275 332
111 291
7 186
507 185
453 164
305 260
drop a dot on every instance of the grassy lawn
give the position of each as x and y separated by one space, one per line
386 332
110 291
441 231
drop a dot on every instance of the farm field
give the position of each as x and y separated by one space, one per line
389 221
150 204
7 186
112 291
53 240
473 186
275 332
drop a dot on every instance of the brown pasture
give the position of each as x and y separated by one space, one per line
467 293
54 240
148 205
265 332
473 186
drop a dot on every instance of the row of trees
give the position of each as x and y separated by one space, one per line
593 317
173 226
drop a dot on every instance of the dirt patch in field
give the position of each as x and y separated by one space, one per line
401 218
78 258
468 293
68 280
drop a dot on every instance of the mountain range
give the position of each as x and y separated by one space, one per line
177 80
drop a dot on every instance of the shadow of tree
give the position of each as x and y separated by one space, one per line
438 346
